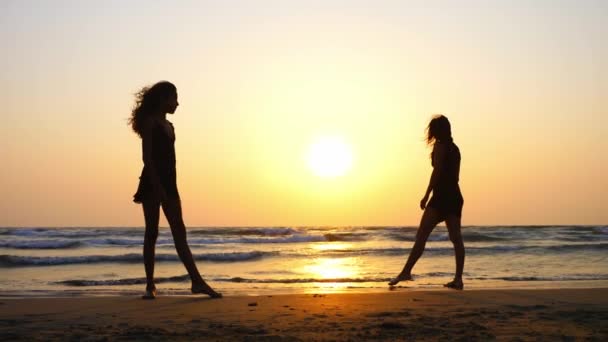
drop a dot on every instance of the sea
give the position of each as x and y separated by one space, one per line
257 261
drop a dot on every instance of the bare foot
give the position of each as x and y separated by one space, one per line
400 277
205 289
455 284
150 294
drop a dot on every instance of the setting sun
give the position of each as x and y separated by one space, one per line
329 157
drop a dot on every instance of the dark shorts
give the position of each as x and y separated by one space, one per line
145 191
447 203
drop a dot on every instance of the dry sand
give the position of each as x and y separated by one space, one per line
551 315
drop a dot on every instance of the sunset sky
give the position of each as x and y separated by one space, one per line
524 83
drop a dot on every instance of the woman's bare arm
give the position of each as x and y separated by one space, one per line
148 147
438 159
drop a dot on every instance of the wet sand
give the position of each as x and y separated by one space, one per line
402 314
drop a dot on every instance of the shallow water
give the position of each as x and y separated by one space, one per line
274 260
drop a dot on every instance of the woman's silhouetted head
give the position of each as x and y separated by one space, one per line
160 98
439 129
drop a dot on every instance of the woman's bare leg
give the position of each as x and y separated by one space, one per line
151 215
173 212
453 224
429 220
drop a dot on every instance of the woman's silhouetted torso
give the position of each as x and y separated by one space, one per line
163 157
447 198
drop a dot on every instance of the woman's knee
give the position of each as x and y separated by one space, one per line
455 237
179 237
427 224
423 234
174 217
151 233
453 224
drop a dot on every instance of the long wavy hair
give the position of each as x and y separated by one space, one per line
439 129
147 101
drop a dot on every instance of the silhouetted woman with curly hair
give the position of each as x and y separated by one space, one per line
157 183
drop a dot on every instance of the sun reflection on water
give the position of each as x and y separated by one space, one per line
333 246
328 269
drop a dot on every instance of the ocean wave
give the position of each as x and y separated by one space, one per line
16 261
195 241
333 237
567 240
573 277
578 247
416 277
48 238
512 235
185 278
411 236
481 237
41 244
601 230
162 241
114 241
249 240
360 252
301 280
473 250
213 241
237 231
286 239
429 250
139 231
296 280
122 282
444 236
540 249
72 232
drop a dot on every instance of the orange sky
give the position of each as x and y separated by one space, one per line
524 86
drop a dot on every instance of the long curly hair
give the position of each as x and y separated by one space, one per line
147 101
439 129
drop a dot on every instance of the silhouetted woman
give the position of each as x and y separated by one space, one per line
157 183
446 203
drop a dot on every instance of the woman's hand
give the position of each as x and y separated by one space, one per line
423 201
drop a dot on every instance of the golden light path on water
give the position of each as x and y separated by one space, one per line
325 268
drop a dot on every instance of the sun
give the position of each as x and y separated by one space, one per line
330 157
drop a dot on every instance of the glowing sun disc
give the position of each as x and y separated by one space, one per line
329 157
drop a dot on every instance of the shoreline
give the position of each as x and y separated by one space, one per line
406 314
182 289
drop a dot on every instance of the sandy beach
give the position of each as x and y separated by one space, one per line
403 314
